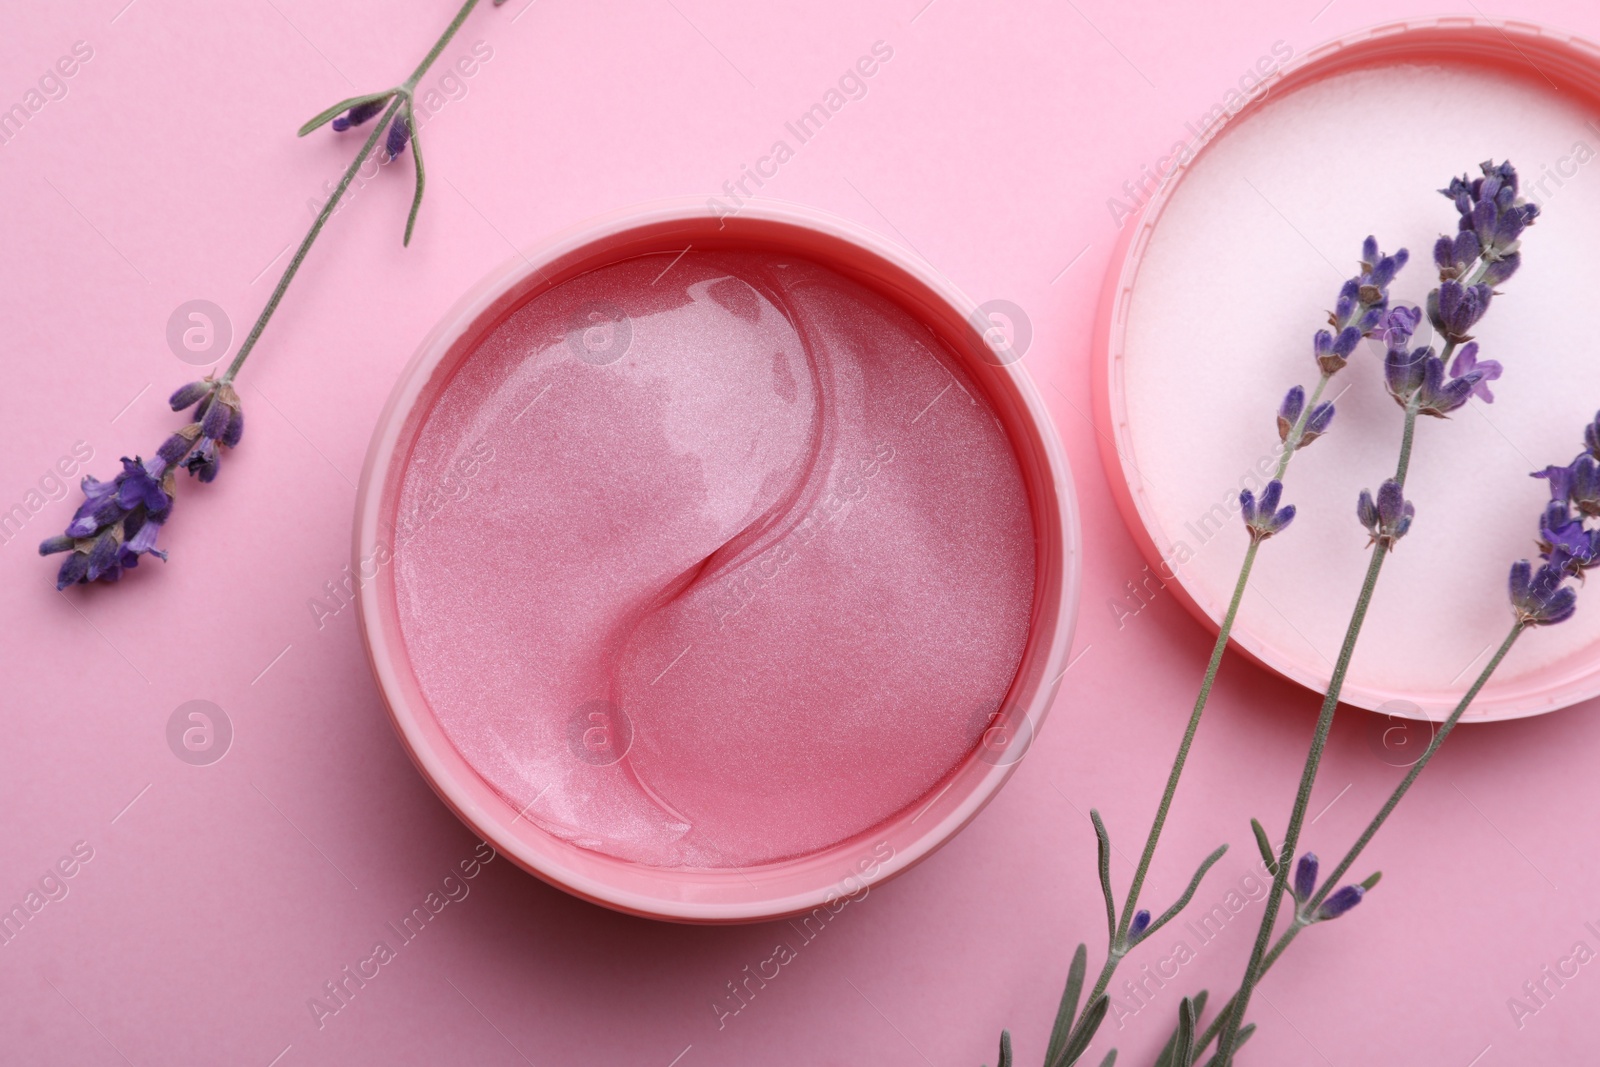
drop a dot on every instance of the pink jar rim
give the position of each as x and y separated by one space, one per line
1536 53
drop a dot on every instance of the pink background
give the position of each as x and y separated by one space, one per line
220 898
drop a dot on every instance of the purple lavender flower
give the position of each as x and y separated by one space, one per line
116 524
1305 877
1345 898
1333 352
1565 543
1136 929
1263 518
1578 483
1317 423
1454 256
399 136
1294 402
1360 307
1495 216
1397 325
1467 365
1418 377
119 520
359 114
191 394
1538 597
1388 517
1404 371
1438 396
1454 308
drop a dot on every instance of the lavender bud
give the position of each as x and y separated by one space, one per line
103 556
1136 929
73 570
1538 597
399 136
1263 517
1317 423
216 420
1403 372
359 114
1389 517
235 430
59 543
1342 901
1502 269
1294 402
1305 877
187 395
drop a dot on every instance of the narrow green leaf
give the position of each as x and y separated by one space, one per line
1092 1019
1170 1048
1244 1035
1183 1052
324 117
1372 879
1188 894
1069 1004
1103 840
1005 1049
1110 1060
1265 846
422 178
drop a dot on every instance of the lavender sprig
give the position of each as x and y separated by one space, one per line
1484 252
1539 596
119 520
1361 309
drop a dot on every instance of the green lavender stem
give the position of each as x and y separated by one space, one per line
1118 941
1338 873
401 99
1308 777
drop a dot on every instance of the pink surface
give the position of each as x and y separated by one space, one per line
738 548
216 900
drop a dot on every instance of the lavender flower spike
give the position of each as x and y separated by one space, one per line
1360 308
1264 518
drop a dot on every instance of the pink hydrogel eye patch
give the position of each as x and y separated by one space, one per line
713 562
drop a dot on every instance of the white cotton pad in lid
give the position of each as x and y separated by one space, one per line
1232 267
